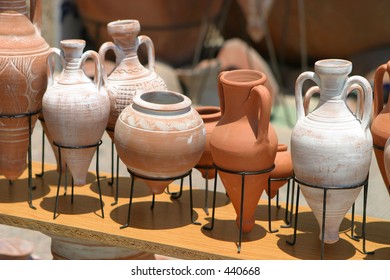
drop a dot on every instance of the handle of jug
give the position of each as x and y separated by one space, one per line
308 75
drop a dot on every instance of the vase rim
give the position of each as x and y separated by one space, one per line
209 113
241 77
123 26
333 65
73 43
162 100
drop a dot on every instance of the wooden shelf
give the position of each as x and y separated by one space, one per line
167 230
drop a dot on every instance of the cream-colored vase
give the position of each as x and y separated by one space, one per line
160 136
129 76
75 109
330 146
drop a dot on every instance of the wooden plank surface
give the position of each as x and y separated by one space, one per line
167 229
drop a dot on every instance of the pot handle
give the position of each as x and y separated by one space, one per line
51 64
98 66
102 53
265 105
36 13
378 88
308 95
353 82
142 39
221 94
308 75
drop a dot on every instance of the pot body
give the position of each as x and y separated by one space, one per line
210 116
23 81
160 136
380 127
243 139
129 76
330 146
283 169
75 109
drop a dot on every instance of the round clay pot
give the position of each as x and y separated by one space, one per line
243 139
210 116
330 146
283 169
23 81
75 109
160 136
380 127
129 77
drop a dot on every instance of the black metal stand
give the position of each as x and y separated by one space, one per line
43 152
97 145
287 221
207 168
181 177
29 152
325 189
242 174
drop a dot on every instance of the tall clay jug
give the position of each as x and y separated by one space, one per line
129 76
330 146
243 139
75 109
380 127
23 81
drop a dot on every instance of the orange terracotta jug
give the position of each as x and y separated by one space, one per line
380 127
243 139
23 81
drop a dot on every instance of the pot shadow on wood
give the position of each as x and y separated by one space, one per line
379 254
82 204
227 230
50 177
378 232
308 247
198 198
140 189
18 190
165 215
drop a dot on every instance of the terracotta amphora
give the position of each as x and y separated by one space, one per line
283 169
23 81
243 139
210 116
129 76
380 127
75 109
160 136
331 147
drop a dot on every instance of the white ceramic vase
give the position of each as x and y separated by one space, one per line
330 146
75 109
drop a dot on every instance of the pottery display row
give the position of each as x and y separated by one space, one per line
159 135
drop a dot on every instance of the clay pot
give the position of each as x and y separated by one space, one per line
330 146
243 139
23 81
129 77
160 136
210 116
15 249
283 169
66 248
75 109
380 127
175 26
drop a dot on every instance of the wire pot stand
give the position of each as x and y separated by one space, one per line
287 218
29 152
97 145
243 174
325 189
175 196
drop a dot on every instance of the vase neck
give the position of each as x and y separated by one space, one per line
18 6
332 86
236 100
